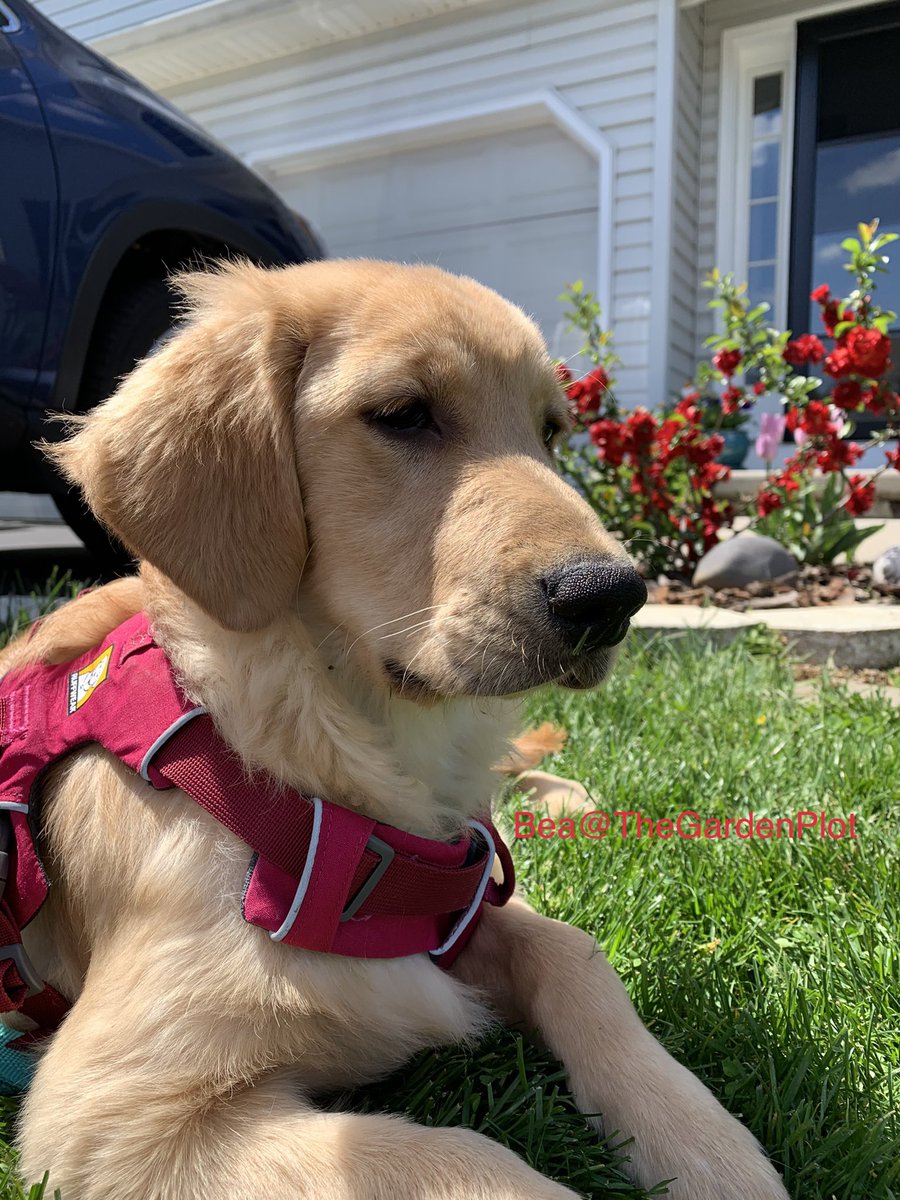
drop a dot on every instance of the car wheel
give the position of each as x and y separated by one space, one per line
129 329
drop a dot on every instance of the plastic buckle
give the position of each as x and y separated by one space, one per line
24 966
385 855
5 839
468 916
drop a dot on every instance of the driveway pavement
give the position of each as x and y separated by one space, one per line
31 552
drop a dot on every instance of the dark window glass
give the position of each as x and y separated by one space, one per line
846 152
762 244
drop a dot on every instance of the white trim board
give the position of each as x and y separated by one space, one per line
664 118
490 116
747 51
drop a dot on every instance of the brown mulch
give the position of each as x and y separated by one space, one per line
868 675
835 585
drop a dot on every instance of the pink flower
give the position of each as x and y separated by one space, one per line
771 431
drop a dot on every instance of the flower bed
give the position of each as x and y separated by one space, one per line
839 585
651 475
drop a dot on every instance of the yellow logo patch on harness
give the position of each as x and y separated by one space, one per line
83 683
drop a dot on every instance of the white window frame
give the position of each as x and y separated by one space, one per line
748 54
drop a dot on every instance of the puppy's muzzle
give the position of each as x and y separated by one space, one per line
591 601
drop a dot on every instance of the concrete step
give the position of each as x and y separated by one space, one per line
860 635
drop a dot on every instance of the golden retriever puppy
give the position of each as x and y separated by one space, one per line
355 550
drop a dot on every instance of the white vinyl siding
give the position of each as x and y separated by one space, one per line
601 59
600 56
518 210
88 20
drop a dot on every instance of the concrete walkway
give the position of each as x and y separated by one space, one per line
860 635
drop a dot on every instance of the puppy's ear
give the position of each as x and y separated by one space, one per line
192 461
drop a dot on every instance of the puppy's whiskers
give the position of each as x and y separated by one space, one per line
393 621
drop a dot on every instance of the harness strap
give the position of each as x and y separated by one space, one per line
197 760
20 990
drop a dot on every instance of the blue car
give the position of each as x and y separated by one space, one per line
105 188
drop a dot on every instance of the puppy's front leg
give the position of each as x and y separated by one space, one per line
553 979
138 1099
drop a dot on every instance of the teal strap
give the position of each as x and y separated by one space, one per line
16 1066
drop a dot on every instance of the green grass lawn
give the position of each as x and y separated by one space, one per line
771 968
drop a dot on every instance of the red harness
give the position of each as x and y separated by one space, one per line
320 877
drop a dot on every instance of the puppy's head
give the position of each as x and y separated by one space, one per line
373 442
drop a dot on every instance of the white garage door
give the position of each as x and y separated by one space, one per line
516 210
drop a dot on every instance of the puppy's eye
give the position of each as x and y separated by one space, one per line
413 417
550 432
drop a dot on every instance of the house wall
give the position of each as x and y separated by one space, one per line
686 272
718 17
600 56
89 20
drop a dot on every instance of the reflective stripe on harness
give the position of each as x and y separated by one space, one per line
322 876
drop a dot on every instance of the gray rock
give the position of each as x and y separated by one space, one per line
747 558
886 569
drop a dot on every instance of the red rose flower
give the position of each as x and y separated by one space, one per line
832 316
874 399
598 381
759 387
821 294
731 400
847 395
838 454
665 435
768 502
861 497
710 473
609 438
838 363
868 350
727 361
640 427
816 419
893 458
878 399
803 350
787 481
581 397
586 392
688 407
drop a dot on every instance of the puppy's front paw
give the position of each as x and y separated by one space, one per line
716 1174
715 1158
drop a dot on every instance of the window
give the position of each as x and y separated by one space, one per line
846 156
765 156
847 149
754 128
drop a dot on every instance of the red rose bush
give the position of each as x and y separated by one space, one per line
651 475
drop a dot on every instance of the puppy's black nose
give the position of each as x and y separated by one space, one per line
594 598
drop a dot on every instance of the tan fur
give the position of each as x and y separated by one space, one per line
553 794
530 747
364 648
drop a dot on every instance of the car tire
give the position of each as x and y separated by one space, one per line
130 327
